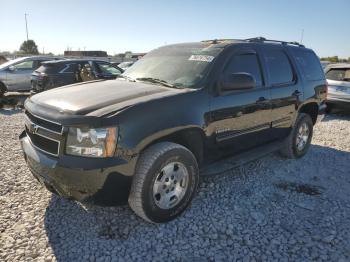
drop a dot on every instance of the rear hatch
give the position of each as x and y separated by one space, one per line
339 83
45 74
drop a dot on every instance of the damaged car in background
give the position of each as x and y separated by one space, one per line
338 78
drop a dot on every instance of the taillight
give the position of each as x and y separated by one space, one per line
42 76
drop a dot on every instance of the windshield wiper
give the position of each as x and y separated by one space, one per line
126 77
156 81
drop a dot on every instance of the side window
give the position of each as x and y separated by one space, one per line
309 64
278 67
25 65
38 63
245 63
106 68
69 68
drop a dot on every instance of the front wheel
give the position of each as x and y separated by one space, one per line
298 142
2 89
165 182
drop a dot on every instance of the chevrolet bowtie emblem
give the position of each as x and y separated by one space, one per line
34 128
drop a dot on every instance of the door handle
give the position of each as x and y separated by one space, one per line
297 93
261 100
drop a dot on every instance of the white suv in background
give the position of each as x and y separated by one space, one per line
338 78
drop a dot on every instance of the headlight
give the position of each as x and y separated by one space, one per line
92 142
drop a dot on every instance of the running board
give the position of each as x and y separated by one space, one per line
229 163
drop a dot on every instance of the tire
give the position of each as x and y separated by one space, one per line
329 108
2 89
157 163
290 148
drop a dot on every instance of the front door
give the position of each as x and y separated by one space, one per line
18 76
241 119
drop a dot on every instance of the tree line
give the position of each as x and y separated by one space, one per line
335 59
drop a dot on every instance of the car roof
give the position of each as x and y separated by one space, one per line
222 43
73 60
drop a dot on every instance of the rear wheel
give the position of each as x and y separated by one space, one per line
165 181
298 142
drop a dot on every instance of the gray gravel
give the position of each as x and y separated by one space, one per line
271 209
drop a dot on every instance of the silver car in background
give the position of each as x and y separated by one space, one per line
15 74
338 78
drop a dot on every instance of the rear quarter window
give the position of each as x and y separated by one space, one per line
309 64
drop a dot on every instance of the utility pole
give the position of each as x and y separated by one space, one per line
302 36
25 17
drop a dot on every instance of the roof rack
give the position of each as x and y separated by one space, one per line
255 40
264 40
216 41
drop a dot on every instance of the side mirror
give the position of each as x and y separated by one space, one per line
238 81
12 68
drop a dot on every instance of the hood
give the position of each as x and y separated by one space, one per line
100 97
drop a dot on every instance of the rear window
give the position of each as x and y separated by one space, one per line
339 74
47 69
309 64
278 67
51 68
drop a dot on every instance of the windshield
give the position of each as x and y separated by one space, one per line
11 62
178 65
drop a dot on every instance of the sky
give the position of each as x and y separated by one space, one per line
140 26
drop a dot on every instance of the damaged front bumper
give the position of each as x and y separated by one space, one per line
77 178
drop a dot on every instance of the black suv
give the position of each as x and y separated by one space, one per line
172 116
65 72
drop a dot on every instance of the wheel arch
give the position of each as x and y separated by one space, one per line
192 138
311 109
3 84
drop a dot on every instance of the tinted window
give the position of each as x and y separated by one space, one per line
50 68
309 64
278 67
339 74
245 64
69 68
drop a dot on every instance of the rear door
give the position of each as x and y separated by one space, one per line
241 119
286 88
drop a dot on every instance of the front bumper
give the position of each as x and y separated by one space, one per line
78 178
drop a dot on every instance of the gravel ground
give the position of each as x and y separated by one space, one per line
271 209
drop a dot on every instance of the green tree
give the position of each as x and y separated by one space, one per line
29 47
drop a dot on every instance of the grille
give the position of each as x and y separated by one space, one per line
43 143
55 127
44 134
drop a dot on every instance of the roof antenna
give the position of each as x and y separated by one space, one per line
302 36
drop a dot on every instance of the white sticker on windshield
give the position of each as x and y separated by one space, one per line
203 58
